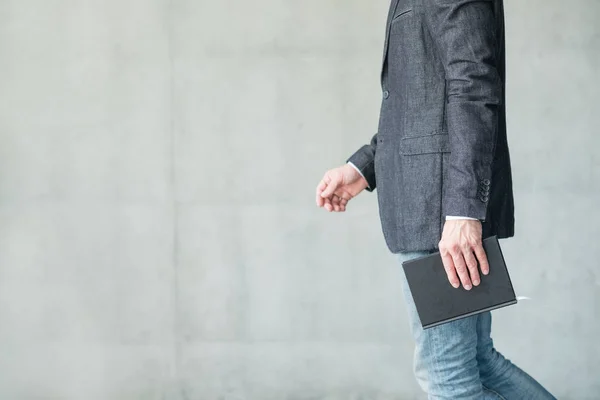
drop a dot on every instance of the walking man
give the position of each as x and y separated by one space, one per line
440 162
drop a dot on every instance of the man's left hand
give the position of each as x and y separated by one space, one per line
461 247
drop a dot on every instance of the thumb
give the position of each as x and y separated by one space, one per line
332 184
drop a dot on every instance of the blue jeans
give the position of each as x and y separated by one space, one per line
457 360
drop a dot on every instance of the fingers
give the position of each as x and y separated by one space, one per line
331 194
320 187
461 264
482 257
325 189
341 198
461 267
335 201
331 184
343 204
320 201
450 270
461 249
471 265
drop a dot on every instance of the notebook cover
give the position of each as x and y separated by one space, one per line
438 302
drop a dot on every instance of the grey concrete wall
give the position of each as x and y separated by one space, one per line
158 238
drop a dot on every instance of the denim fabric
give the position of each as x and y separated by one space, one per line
441 146
457 360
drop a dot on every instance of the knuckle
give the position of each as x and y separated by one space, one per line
474 240
443 248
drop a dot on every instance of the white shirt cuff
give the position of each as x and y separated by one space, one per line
358 170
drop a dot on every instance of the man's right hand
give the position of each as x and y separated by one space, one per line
338 187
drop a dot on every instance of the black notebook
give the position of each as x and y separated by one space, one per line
438 302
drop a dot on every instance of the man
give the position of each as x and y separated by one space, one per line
441 164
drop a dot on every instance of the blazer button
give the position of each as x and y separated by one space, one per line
484 199
486 182
386 94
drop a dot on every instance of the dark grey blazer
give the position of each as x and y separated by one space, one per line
441 146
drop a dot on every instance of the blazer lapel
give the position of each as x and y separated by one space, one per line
393 5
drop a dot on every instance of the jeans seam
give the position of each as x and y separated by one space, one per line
493 391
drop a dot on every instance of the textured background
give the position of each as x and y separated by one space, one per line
158 234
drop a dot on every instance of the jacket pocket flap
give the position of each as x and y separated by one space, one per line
436 143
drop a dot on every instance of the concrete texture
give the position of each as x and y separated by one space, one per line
158 238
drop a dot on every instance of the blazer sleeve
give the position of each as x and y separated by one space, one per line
465 37
364 160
